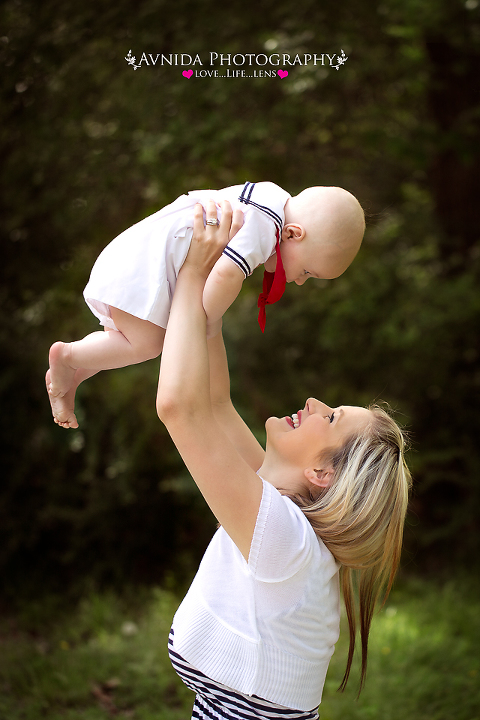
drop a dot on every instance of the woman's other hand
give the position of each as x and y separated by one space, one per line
209 241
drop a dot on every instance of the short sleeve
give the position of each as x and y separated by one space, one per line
254 242
263 205
283 541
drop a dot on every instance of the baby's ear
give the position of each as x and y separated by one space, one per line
293 231
319 477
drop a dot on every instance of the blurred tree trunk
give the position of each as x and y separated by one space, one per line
454 103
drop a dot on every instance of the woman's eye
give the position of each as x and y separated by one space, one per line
332 417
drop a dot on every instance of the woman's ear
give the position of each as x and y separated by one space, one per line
320 478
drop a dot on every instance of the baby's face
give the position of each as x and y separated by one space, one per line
322 234
309 257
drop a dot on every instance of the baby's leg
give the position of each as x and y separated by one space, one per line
135 341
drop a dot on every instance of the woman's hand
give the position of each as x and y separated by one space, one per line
209 241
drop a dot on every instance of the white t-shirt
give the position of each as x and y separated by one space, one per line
267 627
138 270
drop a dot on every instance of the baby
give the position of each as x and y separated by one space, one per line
314 234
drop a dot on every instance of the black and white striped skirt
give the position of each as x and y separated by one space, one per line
214 701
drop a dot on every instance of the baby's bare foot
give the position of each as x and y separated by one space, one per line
61 372
62 406
60 386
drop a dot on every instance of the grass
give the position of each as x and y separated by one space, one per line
107 658
424 662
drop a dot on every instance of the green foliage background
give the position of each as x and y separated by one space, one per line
89 146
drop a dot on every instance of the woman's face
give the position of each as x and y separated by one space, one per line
300 438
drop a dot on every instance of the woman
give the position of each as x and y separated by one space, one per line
328 497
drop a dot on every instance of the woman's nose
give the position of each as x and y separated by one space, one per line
314 405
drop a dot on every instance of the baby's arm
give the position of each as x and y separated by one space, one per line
222 287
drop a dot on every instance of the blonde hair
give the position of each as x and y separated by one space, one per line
360 518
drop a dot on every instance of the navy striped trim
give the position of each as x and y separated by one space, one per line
214 701
245 197
238 259
246 193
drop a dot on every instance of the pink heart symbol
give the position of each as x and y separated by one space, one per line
282 73
188 73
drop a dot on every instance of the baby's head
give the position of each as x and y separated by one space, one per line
323 231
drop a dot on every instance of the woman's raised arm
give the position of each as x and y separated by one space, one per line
225 413
230 486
